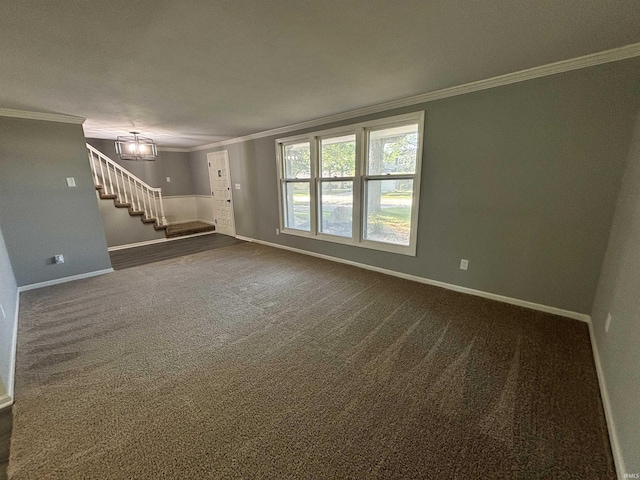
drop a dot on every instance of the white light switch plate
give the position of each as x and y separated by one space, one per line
464 264
71 182
168 179
59 258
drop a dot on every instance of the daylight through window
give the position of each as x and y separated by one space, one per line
358 184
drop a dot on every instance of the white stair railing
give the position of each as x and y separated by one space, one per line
128 188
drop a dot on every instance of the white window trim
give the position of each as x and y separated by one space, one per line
359 193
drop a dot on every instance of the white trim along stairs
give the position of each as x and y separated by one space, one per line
126 190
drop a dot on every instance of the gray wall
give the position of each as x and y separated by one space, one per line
39 215
167 164
8 297
120 228
521 180
245 170
619 294
200 171
242 164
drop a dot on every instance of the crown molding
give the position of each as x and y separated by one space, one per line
47 117
591 60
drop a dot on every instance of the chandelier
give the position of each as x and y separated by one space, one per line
136 147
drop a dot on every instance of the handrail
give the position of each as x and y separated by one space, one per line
120 167
126 187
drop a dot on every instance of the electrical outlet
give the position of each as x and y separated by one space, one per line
4 315
237 186
58 258
168 179
607 324
277 231
464 264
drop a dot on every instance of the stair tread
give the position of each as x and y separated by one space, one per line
129 205
180 230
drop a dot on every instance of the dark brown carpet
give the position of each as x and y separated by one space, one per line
5 439
133 257
181 229
252 362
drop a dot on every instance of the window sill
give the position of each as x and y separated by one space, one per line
370 244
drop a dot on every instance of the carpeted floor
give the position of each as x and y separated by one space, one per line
253 362
5 440
181 229
136 256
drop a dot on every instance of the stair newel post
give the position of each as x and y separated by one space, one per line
163 220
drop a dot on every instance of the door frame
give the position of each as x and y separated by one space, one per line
225 154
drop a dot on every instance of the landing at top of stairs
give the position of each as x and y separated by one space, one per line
182 229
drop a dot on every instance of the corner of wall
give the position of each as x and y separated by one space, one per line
9 299
615 345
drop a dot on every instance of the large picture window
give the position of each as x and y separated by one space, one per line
358 184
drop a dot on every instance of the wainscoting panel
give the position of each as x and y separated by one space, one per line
180 208
204 208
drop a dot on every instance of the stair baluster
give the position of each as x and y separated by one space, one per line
127 189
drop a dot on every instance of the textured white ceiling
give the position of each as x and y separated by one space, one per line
188 73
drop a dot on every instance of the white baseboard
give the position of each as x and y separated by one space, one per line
5 401
159 240
14 350
71 278
478 293
608 413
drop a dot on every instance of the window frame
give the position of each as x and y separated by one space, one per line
361 131
284 180
320 179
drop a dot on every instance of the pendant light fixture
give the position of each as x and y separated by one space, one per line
136 147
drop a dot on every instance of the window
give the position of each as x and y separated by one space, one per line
391 168
297 186
337 174
358 185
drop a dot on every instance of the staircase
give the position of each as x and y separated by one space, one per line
126 190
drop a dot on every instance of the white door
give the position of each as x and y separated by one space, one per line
220 180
